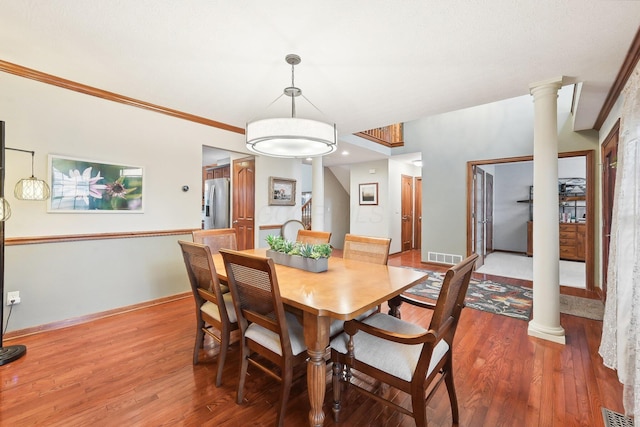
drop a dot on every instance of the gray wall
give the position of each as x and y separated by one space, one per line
511 183
336 210
448 141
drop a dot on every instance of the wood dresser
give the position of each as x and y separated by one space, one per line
572 240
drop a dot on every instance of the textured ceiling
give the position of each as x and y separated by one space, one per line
365 63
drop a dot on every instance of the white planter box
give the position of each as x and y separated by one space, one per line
308 264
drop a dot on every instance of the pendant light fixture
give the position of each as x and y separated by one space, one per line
291 136
30 188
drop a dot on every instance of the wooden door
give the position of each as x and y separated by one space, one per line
407 212
488 213
478 216
417 214
244 202
609 163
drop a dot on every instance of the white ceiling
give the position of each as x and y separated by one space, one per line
365 63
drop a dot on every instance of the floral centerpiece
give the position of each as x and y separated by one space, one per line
305 256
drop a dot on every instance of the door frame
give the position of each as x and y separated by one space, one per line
417 213
590 199
406 212
478 216
607 201
240 204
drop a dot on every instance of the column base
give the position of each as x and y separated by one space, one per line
546 333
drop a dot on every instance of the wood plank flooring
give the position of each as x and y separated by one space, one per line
134 369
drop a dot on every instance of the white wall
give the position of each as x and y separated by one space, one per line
384 219
58 281
266 214
370 220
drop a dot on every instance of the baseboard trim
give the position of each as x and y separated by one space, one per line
90 317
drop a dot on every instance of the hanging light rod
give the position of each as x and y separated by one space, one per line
291 136
30 188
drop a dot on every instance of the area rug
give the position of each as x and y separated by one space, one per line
485 295
582 307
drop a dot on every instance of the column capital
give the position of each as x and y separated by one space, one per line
554 83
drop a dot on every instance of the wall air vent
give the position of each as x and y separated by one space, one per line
443 258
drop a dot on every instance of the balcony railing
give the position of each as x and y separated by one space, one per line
306 215
390 136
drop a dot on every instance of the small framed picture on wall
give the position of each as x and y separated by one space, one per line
282 191
369 194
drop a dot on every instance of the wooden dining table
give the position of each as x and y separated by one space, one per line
347 289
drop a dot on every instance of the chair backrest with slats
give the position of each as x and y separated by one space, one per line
203 276
313 237
367 249
256 294
216 239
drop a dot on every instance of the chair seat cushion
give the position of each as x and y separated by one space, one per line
337 326
271 340
399 360
212 310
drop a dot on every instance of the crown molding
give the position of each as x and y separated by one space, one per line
39 76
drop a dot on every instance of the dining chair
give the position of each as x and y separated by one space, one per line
313 237
217 238
289 230
271 337
367 249
214 310
402 354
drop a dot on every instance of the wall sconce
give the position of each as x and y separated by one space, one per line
26 189
30 188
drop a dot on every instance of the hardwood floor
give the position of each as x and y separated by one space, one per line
135 369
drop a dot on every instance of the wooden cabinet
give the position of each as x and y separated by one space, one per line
572 240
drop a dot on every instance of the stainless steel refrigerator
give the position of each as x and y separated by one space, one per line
216 203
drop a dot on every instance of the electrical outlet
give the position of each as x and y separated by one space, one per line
13 298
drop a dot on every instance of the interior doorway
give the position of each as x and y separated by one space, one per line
244 195
407 212
512 211
482 213
242 190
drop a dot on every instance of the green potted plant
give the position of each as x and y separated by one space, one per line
305 256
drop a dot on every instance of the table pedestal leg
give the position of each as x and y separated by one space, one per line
316 336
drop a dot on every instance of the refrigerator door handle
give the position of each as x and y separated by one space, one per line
212 198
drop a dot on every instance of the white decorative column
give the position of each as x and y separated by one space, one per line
317 192
546 245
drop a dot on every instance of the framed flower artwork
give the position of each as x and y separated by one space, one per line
79 185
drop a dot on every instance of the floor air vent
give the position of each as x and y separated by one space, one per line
443 258
614 419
